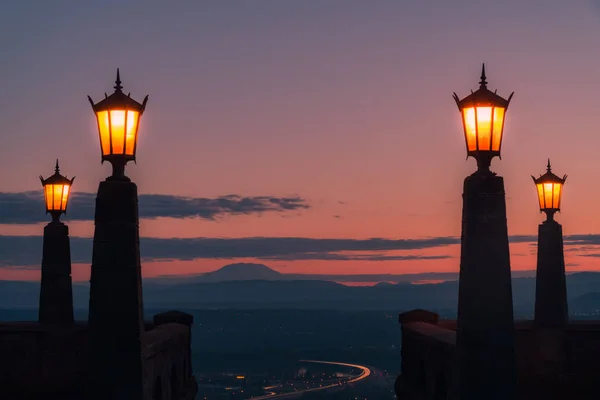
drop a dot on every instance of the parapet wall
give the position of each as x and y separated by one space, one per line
428 357
583 345
167 351
38 362
33 357
548 361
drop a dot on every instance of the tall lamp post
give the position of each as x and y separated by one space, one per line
551 290
56 293
485 327
116 307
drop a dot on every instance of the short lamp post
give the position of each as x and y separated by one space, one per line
116 306
551 310
485 326
56 294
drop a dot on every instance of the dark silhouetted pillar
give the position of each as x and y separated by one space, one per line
551 309
485 331
179 317
551 313
116 309
56 292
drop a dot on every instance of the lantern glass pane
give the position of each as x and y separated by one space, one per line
49 197
65 197
470 128
117 130
104 130
548 195
131 132
57 196
498 126
540 189
484 127
556 197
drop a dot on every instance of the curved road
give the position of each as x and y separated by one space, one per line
363 375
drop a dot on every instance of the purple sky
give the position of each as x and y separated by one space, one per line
343 103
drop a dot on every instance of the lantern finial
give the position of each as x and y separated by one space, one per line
549 168
483 81
56 169
118 86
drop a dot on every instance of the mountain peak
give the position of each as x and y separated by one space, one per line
242 272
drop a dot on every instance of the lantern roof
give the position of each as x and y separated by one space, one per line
118 100
482 96
549 177
57 178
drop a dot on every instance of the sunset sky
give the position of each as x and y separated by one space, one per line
325 123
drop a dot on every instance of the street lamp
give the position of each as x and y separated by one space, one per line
483 113
485 319
116 312
549 189
118 117
551 308
56 294
57 189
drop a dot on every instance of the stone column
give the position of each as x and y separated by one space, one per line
485 327
186 319
550 287
551 310
116 308
56 292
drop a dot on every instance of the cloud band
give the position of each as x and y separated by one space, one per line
27 207
26 250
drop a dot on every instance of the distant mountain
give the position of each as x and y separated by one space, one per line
586 303
310 294
241 272
251 271
299 295
26 294
583 291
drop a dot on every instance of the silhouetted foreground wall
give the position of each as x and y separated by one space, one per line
37 362
561 363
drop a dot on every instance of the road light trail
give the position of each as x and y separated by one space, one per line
365 373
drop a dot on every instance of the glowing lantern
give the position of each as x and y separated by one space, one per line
57 189
118 117
549 189
483 113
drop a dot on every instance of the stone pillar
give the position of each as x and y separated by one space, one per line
116 308
485 327
56 292
551 310
186 319
550 287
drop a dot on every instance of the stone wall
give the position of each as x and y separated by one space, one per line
428 357
583 347
548 361
167 351
38 362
